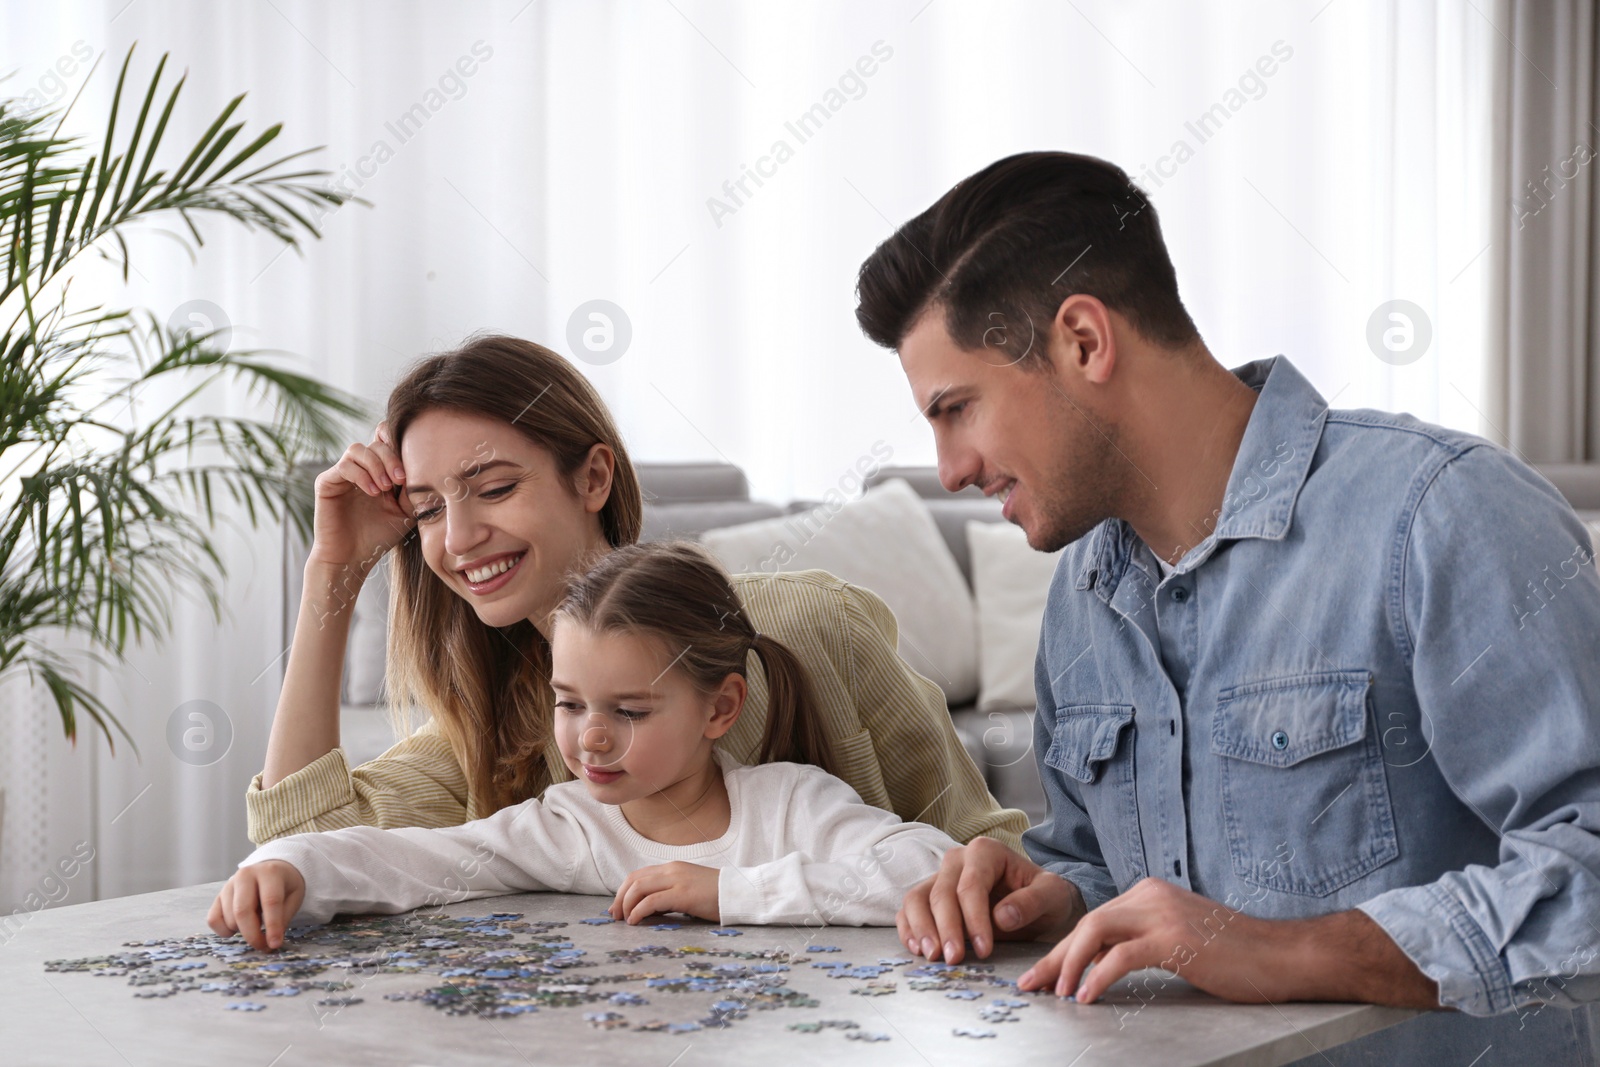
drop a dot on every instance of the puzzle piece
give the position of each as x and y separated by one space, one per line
504 964
972 1031
874 989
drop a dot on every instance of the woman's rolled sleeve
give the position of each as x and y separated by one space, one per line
416 783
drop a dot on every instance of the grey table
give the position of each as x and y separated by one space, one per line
83 1020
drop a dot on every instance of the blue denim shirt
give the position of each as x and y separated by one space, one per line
1374 685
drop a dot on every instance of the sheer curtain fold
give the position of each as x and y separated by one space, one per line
1544 367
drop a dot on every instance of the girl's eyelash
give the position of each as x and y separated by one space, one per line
631 714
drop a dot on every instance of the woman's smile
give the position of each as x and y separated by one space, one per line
490 573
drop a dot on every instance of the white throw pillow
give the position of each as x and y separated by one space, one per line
886 542
1010 581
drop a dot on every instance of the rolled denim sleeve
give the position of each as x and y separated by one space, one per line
1495 598
1065 843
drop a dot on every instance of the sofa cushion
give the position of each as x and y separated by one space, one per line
1010 582
886 542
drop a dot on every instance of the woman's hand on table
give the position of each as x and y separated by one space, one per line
258 902
686 887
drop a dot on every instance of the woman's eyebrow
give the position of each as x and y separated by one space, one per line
480 468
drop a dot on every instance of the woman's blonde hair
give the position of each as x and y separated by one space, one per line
674 592
487 687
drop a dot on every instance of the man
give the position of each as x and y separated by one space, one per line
1318 691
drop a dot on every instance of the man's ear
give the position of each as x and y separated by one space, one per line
1083 342
726 704
594 477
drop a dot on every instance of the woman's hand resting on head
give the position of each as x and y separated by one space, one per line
359 516
686 887
258 902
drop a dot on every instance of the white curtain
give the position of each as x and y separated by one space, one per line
1545 341
1336 158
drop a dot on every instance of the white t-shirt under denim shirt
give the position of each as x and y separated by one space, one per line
1375 685
801 846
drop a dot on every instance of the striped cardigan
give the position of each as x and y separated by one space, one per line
888 726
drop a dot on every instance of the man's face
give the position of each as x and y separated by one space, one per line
1027 433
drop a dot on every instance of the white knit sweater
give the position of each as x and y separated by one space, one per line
801 847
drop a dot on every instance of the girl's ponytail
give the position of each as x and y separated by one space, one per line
793 733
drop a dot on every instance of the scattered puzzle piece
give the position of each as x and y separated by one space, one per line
502 965
874 989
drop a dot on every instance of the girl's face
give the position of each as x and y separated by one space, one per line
628 723
497 521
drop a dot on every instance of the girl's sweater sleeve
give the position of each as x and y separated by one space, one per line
536 845
843 862
416 783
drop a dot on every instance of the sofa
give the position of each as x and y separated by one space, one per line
935 545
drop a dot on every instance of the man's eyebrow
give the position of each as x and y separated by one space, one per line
479 469
932 409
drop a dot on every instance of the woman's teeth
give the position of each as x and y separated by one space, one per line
483 574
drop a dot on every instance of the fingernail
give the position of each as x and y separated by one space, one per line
1008 916
1079 998
911 946
927 948
980 946
1026 979
399 475
949 950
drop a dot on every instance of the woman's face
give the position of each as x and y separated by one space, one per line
498 522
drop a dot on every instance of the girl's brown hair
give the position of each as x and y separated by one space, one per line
489 688
673 591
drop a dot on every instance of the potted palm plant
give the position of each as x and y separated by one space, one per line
112 468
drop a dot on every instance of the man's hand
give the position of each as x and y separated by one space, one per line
980 888
1344 956
686 887
258 902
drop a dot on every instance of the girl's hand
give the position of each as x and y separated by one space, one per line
359 513
265 894
686 887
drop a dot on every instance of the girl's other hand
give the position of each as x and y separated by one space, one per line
685 887
258 902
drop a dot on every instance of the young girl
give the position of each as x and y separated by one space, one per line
648 654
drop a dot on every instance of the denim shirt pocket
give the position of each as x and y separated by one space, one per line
1305 798
1091 744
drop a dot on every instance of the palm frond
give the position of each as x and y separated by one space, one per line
106 515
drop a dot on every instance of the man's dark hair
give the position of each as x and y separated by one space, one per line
1000 251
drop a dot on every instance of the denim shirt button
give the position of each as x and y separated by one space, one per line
1180 594
1280 740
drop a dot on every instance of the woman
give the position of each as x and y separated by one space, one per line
505 462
